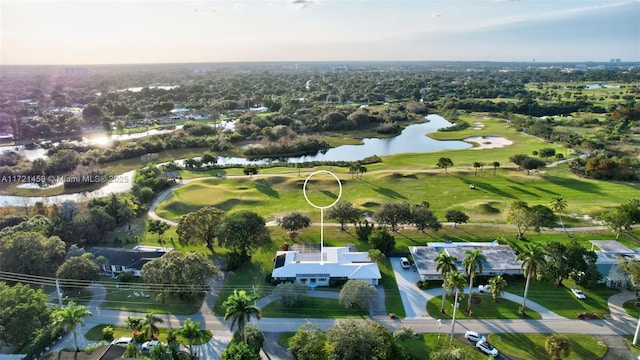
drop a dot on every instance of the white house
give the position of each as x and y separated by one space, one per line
500 259
317 269
127 260
259 109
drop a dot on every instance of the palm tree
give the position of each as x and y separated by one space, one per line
498 284
472 263
240 306
477 165
149 326
532 261
557 346
495 165
191 331
446 264
559 205
455 281
69 317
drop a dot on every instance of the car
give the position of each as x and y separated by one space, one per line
484 288
474 336
122 341
487 348
404 262
578 293
147 346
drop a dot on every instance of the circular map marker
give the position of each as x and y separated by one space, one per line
304 188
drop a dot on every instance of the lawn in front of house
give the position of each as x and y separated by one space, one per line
313 307
531 346
486 309
561 300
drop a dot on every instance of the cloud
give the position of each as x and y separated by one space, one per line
301 4
436 15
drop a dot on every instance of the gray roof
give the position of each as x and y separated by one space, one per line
612 246
131 258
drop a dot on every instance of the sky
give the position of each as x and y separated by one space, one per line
198 31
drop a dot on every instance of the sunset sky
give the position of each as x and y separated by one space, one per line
152 31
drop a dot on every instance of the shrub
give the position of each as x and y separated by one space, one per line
107 332
125 276
255 338
92 347
405 333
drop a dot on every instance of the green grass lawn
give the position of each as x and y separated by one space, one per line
631 308
531 346
95 334
486 309
560 299
313 307
121 296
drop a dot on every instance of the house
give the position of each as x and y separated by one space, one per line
105 352
500 259
127 260
610 254
316 267
259 109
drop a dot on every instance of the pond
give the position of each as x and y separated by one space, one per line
412 139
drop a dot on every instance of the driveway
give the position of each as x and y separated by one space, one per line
413 299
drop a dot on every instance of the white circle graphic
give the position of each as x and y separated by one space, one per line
304 188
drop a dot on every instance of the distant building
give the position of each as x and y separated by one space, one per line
259 109
610 254
311 267
501 259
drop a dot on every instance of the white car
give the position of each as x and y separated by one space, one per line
578 293
122 341
487 348
404 262
484 288
147 346
474 336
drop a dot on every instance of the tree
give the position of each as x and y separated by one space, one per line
381 239
631 270
557 346
354 340
239 351
134 323
200 226
309 343
149 325
559 205
532 164
498 284
243 230
290 292
79 268
255 338
31 253
446 264
192 333
423 218
357 294
185 275
160 352
456 217
343 212
375 255
547 152
240 307
294 221
520 216
69 317
477 165
472 263
132 350
533 262
393 214
157 227
518 159
556 266
541 216
456 281
23 311
250 170
495 165
444 163
622 217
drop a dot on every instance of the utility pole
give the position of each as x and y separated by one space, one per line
635 336
59 292
453 321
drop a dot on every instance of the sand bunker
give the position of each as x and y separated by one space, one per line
477 125
488 142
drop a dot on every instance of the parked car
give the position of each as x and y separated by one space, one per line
122 341
474 336
578 293
484 288
147 346
487 348
404 262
